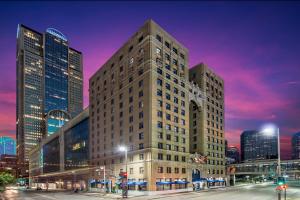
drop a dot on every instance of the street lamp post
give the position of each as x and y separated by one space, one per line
124 149
269 130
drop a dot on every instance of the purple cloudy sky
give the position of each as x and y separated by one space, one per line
254 46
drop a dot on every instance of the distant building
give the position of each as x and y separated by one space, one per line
57 156
257 146
233 154
7 145
296 146
8 163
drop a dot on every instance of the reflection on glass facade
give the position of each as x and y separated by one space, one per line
56 119
44 84
76 145
255 146
75 82
296 146
51 156
56 73
29 104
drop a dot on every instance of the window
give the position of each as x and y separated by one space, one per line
168 106
176 169
160 156
141 146
168 76
158 50
141 170
175 90
168 67
168 116
181 55
160 145
140 83
159 82
168 137
141 156
159 71
160 135
168 127
176 100
168 157
159 113
175 50
159 92
183 158
175 62
159 124
158 37
168 146
183 170
168 86
141 136
176 158
168 96
131 171
169 170
141 38
160 170
159 102
167 44
141 93
141 115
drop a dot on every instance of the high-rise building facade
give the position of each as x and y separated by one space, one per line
139 99
296 146
7 145
233 154
207 121
256 145
49 85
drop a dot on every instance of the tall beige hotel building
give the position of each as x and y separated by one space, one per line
140 99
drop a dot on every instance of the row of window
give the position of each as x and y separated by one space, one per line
160 156
168 45
169 147
169 170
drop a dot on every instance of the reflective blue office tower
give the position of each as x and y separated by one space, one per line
49 85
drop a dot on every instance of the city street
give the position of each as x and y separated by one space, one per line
250 192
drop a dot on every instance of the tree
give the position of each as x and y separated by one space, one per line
5 179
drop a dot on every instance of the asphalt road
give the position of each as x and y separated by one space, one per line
250 192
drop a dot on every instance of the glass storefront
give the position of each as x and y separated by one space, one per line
51 156
76 145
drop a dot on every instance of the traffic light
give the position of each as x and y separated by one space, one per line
123 175
280 181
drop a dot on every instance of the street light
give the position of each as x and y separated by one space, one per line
125 192
124 149
270 130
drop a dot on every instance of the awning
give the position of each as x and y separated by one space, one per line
199 180
181 182
141 183
215 181
130 183
164 183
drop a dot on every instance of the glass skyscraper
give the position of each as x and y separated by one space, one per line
7 145
296 146
256 145
49 85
